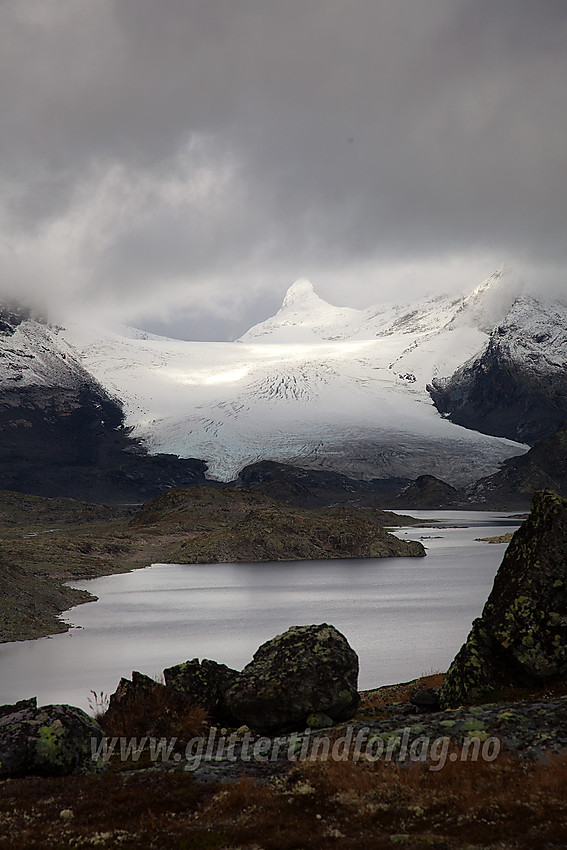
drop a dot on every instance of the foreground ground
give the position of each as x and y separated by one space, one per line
503 802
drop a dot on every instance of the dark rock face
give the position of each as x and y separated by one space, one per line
71 442
61 433
131 691
203 683
517 388
54 740
307 671
543 467
521 638
11 317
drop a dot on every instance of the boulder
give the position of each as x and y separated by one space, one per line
203 683
521 638
142 706
131 692
54 740
305 672
425 699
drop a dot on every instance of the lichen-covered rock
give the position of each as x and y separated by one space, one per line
18 706
142 706
203 683
132 691
306 671
54 740
521 638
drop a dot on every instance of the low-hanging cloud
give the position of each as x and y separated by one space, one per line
181 163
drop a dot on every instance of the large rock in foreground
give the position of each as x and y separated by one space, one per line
54 740
521 638
203 683
304 677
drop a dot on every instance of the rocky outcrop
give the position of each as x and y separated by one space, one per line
521 638
54 740
21 705
203 683
306 676
142 706
132 691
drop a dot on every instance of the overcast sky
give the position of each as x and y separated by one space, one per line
181 162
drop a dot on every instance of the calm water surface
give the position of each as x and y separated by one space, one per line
403 616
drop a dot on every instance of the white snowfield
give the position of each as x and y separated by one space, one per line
316 385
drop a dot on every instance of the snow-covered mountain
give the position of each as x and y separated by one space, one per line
316 385
60 431
304 317
516 385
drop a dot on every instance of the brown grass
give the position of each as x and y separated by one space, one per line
504 804
399 693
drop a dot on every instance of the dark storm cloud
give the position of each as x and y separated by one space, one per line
195 156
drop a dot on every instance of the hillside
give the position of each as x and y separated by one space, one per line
543 467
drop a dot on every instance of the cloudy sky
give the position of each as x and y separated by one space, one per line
180 163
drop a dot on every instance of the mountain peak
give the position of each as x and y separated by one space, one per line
301 290
304 317
489 302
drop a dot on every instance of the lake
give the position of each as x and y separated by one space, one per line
405 617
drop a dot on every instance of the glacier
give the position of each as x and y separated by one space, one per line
316 385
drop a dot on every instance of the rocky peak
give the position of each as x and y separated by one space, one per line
535 332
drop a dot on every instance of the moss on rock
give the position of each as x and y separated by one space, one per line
296 677
521 638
